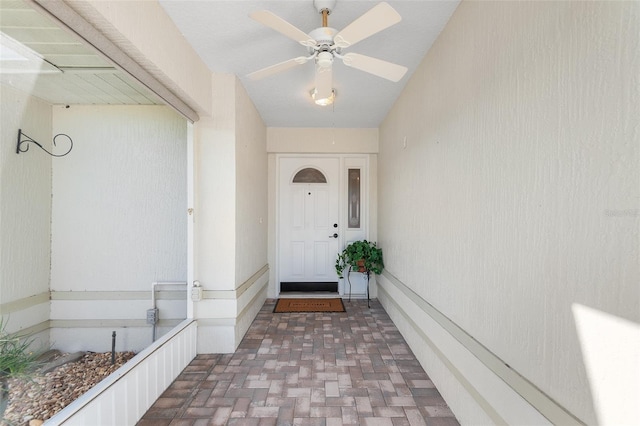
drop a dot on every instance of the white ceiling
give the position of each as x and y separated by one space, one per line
229 41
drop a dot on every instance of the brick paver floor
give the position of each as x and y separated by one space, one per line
326 369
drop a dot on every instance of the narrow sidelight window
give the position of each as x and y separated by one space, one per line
354 198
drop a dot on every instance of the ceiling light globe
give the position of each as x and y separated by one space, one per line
324 59
323 101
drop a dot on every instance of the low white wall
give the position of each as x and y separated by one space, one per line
25 213
85 320
126 394
516 199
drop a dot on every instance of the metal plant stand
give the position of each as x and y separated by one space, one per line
366 274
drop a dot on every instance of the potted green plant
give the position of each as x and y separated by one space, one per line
17 359
361 256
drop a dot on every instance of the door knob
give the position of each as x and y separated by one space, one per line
333 236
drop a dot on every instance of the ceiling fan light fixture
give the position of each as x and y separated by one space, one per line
323 101
324 59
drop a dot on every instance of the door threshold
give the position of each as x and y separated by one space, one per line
309 295
308 286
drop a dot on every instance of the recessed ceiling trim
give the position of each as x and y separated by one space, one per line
75 23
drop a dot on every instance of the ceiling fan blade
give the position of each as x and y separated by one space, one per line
324 82
375 20
273 69
384 69
275 22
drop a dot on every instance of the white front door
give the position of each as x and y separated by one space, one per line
309 226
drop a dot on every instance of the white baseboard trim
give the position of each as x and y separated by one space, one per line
501 393
239 307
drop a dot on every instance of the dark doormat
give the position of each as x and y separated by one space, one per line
309 305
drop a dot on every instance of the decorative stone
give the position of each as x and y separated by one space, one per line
65 359
42 396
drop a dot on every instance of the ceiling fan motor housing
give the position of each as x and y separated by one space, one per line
324 45
323 35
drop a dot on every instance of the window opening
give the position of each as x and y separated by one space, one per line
354 198
309 175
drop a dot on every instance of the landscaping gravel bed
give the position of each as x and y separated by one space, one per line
42 396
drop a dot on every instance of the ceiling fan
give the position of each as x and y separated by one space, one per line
325 44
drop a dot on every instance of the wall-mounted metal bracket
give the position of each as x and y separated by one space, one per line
24 140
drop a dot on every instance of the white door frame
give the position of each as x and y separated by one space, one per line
361 161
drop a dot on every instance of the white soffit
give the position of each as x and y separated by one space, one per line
39 57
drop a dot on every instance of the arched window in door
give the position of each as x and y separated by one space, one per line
309 175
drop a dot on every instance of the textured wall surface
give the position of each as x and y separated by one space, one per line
321 140
119 223
231 214
251 188
508 181
25 207
119 203
215 190
230 217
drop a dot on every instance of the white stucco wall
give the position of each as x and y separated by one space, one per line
230 217
251 188
516 196
119 220
25 211
321 140
215 189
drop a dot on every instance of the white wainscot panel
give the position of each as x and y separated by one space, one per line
98 339
217 308
216 339
23 318
99 309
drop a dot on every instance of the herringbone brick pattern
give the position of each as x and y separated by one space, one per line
323 369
